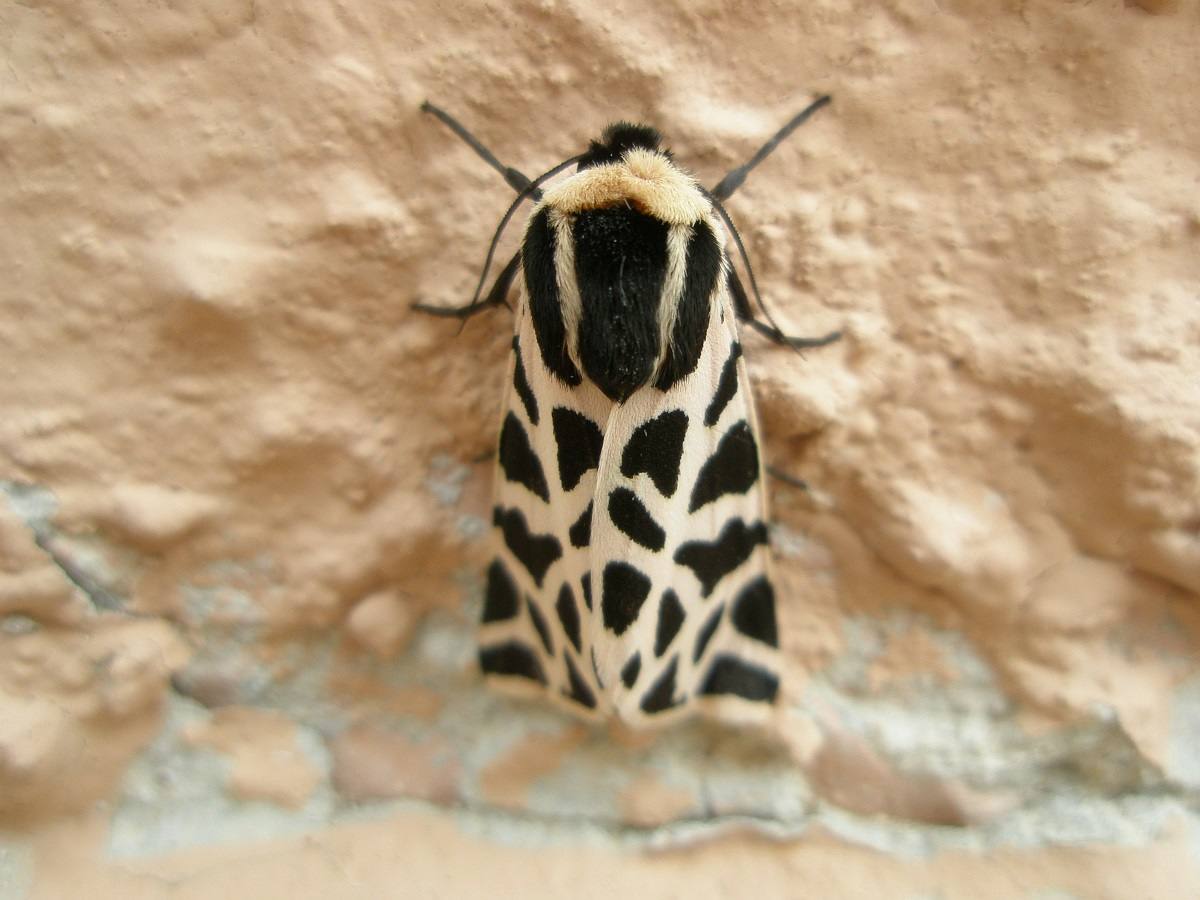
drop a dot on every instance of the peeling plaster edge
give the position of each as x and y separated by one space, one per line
35 506
1146 818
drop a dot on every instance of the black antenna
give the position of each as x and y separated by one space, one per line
725 189
515 178
731 182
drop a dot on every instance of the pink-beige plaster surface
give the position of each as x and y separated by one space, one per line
244 504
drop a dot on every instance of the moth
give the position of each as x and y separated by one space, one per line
632 573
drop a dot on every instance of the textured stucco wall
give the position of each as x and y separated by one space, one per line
244 509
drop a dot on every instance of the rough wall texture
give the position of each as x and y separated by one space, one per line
244 510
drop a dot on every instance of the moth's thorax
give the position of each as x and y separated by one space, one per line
621 263
644 179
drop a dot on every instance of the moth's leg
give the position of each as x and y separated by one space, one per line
495 297
786 478
516 179
773 334
731 182
741 304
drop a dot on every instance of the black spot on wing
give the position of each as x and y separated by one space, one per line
586 583
655 448
754 612
568 615
581 532
730 675
624 591
707 630
521 384
517 459
540 625
630 515
545 306
500 598
661 695
713 561
691 315
670 617
727 386
579 690
620 265
536 552
732 469
512 658
629 671
579 440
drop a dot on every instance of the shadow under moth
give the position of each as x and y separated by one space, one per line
631 575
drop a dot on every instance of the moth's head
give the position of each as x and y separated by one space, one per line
628 166
619 138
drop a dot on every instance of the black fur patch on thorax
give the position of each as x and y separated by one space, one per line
691 315
620 266
545 305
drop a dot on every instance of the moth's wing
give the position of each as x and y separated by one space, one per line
535 636
684 616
